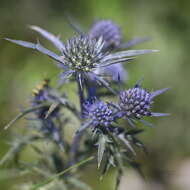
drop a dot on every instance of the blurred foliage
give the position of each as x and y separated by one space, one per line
166 21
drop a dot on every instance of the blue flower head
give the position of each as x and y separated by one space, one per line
100 113
137 102
109 31
81 55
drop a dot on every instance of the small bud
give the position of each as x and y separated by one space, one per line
109 31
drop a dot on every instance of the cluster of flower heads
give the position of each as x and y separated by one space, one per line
88 58
134 103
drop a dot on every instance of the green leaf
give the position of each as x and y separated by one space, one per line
127 143
37 186
101 149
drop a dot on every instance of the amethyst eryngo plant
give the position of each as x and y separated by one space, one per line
83 59
133 105
47 126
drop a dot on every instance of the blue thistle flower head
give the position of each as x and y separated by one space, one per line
100 113
110 32
137 102
81 56
83 53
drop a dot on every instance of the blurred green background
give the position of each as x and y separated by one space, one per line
167 22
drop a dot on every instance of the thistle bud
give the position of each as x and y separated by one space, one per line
135 102
109 31
100 113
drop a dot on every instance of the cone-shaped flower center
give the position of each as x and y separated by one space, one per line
82 53
135 102
100 113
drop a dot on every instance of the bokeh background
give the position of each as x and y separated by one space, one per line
167 22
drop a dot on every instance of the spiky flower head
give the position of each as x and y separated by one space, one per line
100 113
110 32
83 53
81 56
137 102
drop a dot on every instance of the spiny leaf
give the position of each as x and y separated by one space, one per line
121 60
129 53
37 47
158 92
134 41
49 36
101 149
127 143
